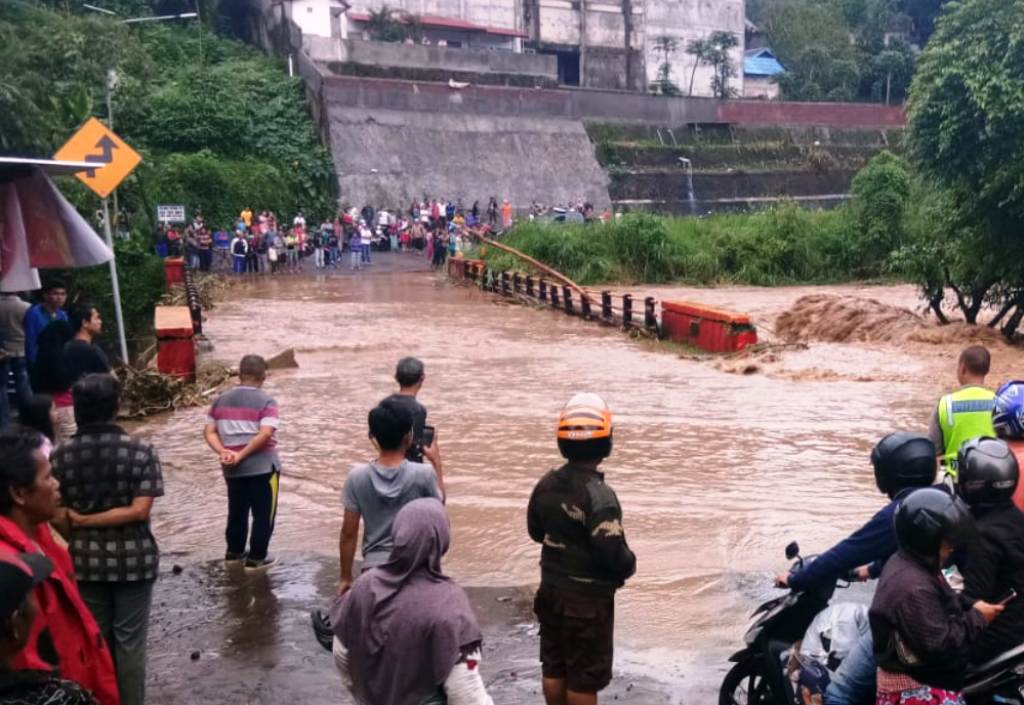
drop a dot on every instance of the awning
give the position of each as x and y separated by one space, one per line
39 229
450 23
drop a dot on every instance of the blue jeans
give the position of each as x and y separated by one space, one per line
13 366
366 253
239 264
356 257
854 682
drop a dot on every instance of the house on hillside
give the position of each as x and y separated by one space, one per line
606 44
760 68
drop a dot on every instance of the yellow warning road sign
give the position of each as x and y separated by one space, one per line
114 159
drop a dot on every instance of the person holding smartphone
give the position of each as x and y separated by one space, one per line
374 492
410 375
993 561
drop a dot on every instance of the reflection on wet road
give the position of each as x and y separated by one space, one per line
716 472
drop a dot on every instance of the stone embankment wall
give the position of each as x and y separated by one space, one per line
394 141
391 157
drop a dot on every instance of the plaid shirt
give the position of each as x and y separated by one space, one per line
99 469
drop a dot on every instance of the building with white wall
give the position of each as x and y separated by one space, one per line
598 43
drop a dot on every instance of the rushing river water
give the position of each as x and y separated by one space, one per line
716 472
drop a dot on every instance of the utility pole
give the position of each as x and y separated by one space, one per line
111 78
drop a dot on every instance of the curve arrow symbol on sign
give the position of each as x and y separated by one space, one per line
108 146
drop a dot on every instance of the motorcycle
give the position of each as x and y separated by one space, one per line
759 678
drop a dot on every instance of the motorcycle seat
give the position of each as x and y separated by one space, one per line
1000 661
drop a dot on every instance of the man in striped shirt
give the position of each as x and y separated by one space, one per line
240 429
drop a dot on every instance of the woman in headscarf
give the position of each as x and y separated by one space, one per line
405 633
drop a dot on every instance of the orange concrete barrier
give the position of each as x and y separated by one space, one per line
174 270
176 348
708 328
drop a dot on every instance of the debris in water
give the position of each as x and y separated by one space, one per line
147 391
839 319
283 360
194 656
836 319
210 288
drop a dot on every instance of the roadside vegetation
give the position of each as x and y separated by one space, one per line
785 244
949 217
218 123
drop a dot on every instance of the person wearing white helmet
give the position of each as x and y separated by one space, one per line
576 516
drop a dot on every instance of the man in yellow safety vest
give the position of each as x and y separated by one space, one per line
965 413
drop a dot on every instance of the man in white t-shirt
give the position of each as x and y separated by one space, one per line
365 239
299 221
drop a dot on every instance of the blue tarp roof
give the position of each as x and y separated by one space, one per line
761 62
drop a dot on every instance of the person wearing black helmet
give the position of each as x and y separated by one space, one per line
923 632
902 463
992 562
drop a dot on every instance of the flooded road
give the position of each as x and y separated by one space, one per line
715 471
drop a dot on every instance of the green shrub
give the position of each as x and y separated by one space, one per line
880 191
784 244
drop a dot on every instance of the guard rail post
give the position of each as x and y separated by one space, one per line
650 315
585 307
606 306
553 292
627 310
543 290
567 299
529 286
516 283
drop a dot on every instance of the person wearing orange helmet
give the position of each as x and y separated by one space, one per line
576 517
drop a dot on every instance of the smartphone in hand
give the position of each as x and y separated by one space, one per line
427 439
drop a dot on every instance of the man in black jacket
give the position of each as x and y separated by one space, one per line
585 558
993 561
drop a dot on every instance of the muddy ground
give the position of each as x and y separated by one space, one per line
221 635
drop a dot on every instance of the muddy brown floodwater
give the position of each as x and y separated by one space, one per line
716 472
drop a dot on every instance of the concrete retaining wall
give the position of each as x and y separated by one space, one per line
390 157
417 56
602 106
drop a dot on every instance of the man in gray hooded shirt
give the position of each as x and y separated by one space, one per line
373 493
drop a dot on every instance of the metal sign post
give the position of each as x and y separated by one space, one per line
116 286
114 161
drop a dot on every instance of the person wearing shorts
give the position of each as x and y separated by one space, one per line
577 519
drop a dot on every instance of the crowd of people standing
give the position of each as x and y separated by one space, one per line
260 243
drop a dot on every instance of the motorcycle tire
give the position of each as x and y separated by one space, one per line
744 684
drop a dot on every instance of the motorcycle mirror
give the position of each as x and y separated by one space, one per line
792 551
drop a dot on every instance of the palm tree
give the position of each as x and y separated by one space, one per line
383 26
700 50
722 43
667 45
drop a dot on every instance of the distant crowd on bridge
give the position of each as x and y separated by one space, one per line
259 242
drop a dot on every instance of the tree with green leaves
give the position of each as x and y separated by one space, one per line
722 44
894 69
666 45
966 137
700 50
384 26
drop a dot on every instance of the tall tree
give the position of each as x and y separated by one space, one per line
722 44
967 136
666 45
700 50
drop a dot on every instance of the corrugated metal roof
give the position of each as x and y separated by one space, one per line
761 62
